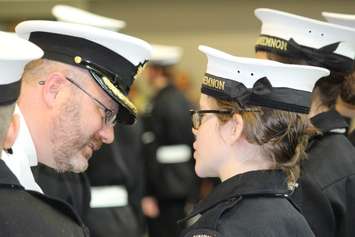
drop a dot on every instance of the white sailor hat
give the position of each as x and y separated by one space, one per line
113 59
15 53
165 55
340 19
258 82
296 36
71 14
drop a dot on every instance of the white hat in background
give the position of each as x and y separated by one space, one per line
165 55
71 14
259 82
296 36
15 53
340 19
113 59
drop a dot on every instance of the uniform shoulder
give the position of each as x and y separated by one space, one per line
263 216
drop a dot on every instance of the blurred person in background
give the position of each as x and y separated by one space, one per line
117 185
327 184
170 180
346 101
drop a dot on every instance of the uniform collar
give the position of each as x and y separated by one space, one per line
6 176
261 182
330 121
24 140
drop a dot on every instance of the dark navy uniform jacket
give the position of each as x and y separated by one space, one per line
32 214
326 195
250 204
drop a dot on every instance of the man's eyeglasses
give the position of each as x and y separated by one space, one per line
110 117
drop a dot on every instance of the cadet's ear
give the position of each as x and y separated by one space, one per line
53 84
12 132
233 129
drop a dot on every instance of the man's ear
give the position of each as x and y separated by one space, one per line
233 129
12 132
53 84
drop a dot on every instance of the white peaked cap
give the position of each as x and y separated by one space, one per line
306 31
166 55
340 19
249 70
15 53
133 49
71 14
291 84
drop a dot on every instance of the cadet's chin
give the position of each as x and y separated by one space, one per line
199 170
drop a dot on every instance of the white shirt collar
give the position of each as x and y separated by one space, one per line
19 165
24 140
24 156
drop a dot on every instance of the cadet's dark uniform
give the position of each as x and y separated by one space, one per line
249 204
327 185
120 164
352 137
174 183
32 214
70 187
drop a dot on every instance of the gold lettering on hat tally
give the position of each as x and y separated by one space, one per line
272 43
213 83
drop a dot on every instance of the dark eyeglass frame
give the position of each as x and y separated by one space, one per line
110 117
197 115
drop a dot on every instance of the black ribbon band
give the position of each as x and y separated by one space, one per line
65 48
261 94
10 92
322 57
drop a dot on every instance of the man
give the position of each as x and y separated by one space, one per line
85 73
74 188
171 181
24 212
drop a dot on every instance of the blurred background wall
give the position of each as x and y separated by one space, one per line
229 25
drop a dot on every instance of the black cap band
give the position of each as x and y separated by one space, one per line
65 48
322 57
10 92
262 94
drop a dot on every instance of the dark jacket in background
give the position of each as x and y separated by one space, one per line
168 123
72 188
119 163
326 194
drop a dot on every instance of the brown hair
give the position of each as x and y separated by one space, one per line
347 93
282 135
327 89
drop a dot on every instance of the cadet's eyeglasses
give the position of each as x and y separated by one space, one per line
197 115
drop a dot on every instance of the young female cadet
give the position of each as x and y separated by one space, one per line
327 185
250 132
